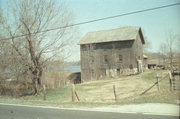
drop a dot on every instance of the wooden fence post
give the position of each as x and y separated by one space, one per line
44 92
158 84
114 90
170 81
76 95
73 92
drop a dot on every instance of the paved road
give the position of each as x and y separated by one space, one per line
26 112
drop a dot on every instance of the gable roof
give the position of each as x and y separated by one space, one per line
119 34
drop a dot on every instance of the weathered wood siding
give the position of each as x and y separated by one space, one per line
97 58
137 51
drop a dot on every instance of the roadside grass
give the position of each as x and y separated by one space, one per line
100 92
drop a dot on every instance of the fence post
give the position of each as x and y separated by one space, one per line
73 92
170 81
44 92
158 84
114 90
76 95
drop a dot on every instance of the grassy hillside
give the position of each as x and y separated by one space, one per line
98 93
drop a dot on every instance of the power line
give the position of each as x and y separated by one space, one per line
100 19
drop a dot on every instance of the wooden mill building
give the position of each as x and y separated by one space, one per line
111 53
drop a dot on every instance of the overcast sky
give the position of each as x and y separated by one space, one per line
155 24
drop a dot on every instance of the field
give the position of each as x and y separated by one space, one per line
100 92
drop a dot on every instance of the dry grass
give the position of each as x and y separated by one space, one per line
126 87
100 92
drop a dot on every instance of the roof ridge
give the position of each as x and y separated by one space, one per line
115 29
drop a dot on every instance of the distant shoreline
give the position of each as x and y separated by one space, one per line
66 68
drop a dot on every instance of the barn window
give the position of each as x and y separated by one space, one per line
92 59
107 46
124 44
105 58
83 47
92 71
103 46
131 66
91 46
120 58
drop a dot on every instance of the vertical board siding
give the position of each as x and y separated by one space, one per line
94 67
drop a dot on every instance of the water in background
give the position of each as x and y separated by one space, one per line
76 68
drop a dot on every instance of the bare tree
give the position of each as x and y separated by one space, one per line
2 43
1 17
177 47
170 43
147 45
33 18
163 52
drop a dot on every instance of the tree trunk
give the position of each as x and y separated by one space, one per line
36 80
